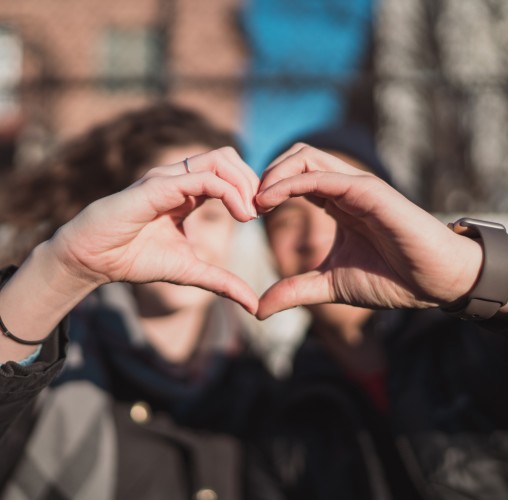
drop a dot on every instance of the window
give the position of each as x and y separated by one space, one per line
11 58
129 58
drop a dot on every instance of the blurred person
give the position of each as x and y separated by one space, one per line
277 337
136 236
381 404
160 383
10 128
110 157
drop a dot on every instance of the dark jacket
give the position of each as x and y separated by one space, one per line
121 422
444 435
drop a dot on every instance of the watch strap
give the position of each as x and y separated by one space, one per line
490 291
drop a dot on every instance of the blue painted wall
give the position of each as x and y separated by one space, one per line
311 38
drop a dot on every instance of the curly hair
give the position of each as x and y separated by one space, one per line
107 159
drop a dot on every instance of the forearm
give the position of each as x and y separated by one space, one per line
36 299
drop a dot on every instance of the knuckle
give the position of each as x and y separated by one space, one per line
150 173
317 175
370 180
303 147
208 176
155 183
228 150
150 181
225 151
159 171
210 181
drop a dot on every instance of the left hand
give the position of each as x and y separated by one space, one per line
388 252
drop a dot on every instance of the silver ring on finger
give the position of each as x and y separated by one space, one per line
186 165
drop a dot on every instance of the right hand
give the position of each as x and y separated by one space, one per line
137 236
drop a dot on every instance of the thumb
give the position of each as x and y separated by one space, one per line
223 283
303 289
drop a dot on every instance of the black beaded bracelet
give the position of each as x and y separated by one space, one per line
5 331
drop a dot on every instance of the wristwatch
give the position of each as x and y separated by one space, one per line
490 291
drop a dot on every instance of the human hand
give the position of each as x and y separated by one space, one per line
137 235
387 253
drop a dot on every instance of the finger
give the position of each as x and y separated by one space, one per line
167 193
304 289
290 152
165 170
185 209
306 159
226 164
353 193
250 174
223 283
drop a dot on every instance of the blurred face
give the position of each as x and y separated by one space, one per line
300 235
209 230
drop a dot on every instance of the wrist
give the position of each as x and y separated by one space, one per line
59 250
469 255
63 277
36 298
489 292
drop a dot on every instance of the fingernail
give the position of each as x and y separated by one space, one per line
251 210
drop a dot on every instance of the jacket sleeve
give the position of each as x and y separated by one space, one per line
19 385
495 324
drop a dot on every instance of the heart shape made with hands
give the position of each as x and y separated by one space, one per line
247 263
259 197
175 191
316 284
377 259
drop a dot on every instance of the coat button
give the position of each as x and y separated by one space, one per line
141 413
206 494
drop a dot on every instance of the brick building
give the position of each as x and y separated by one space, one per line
67 65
